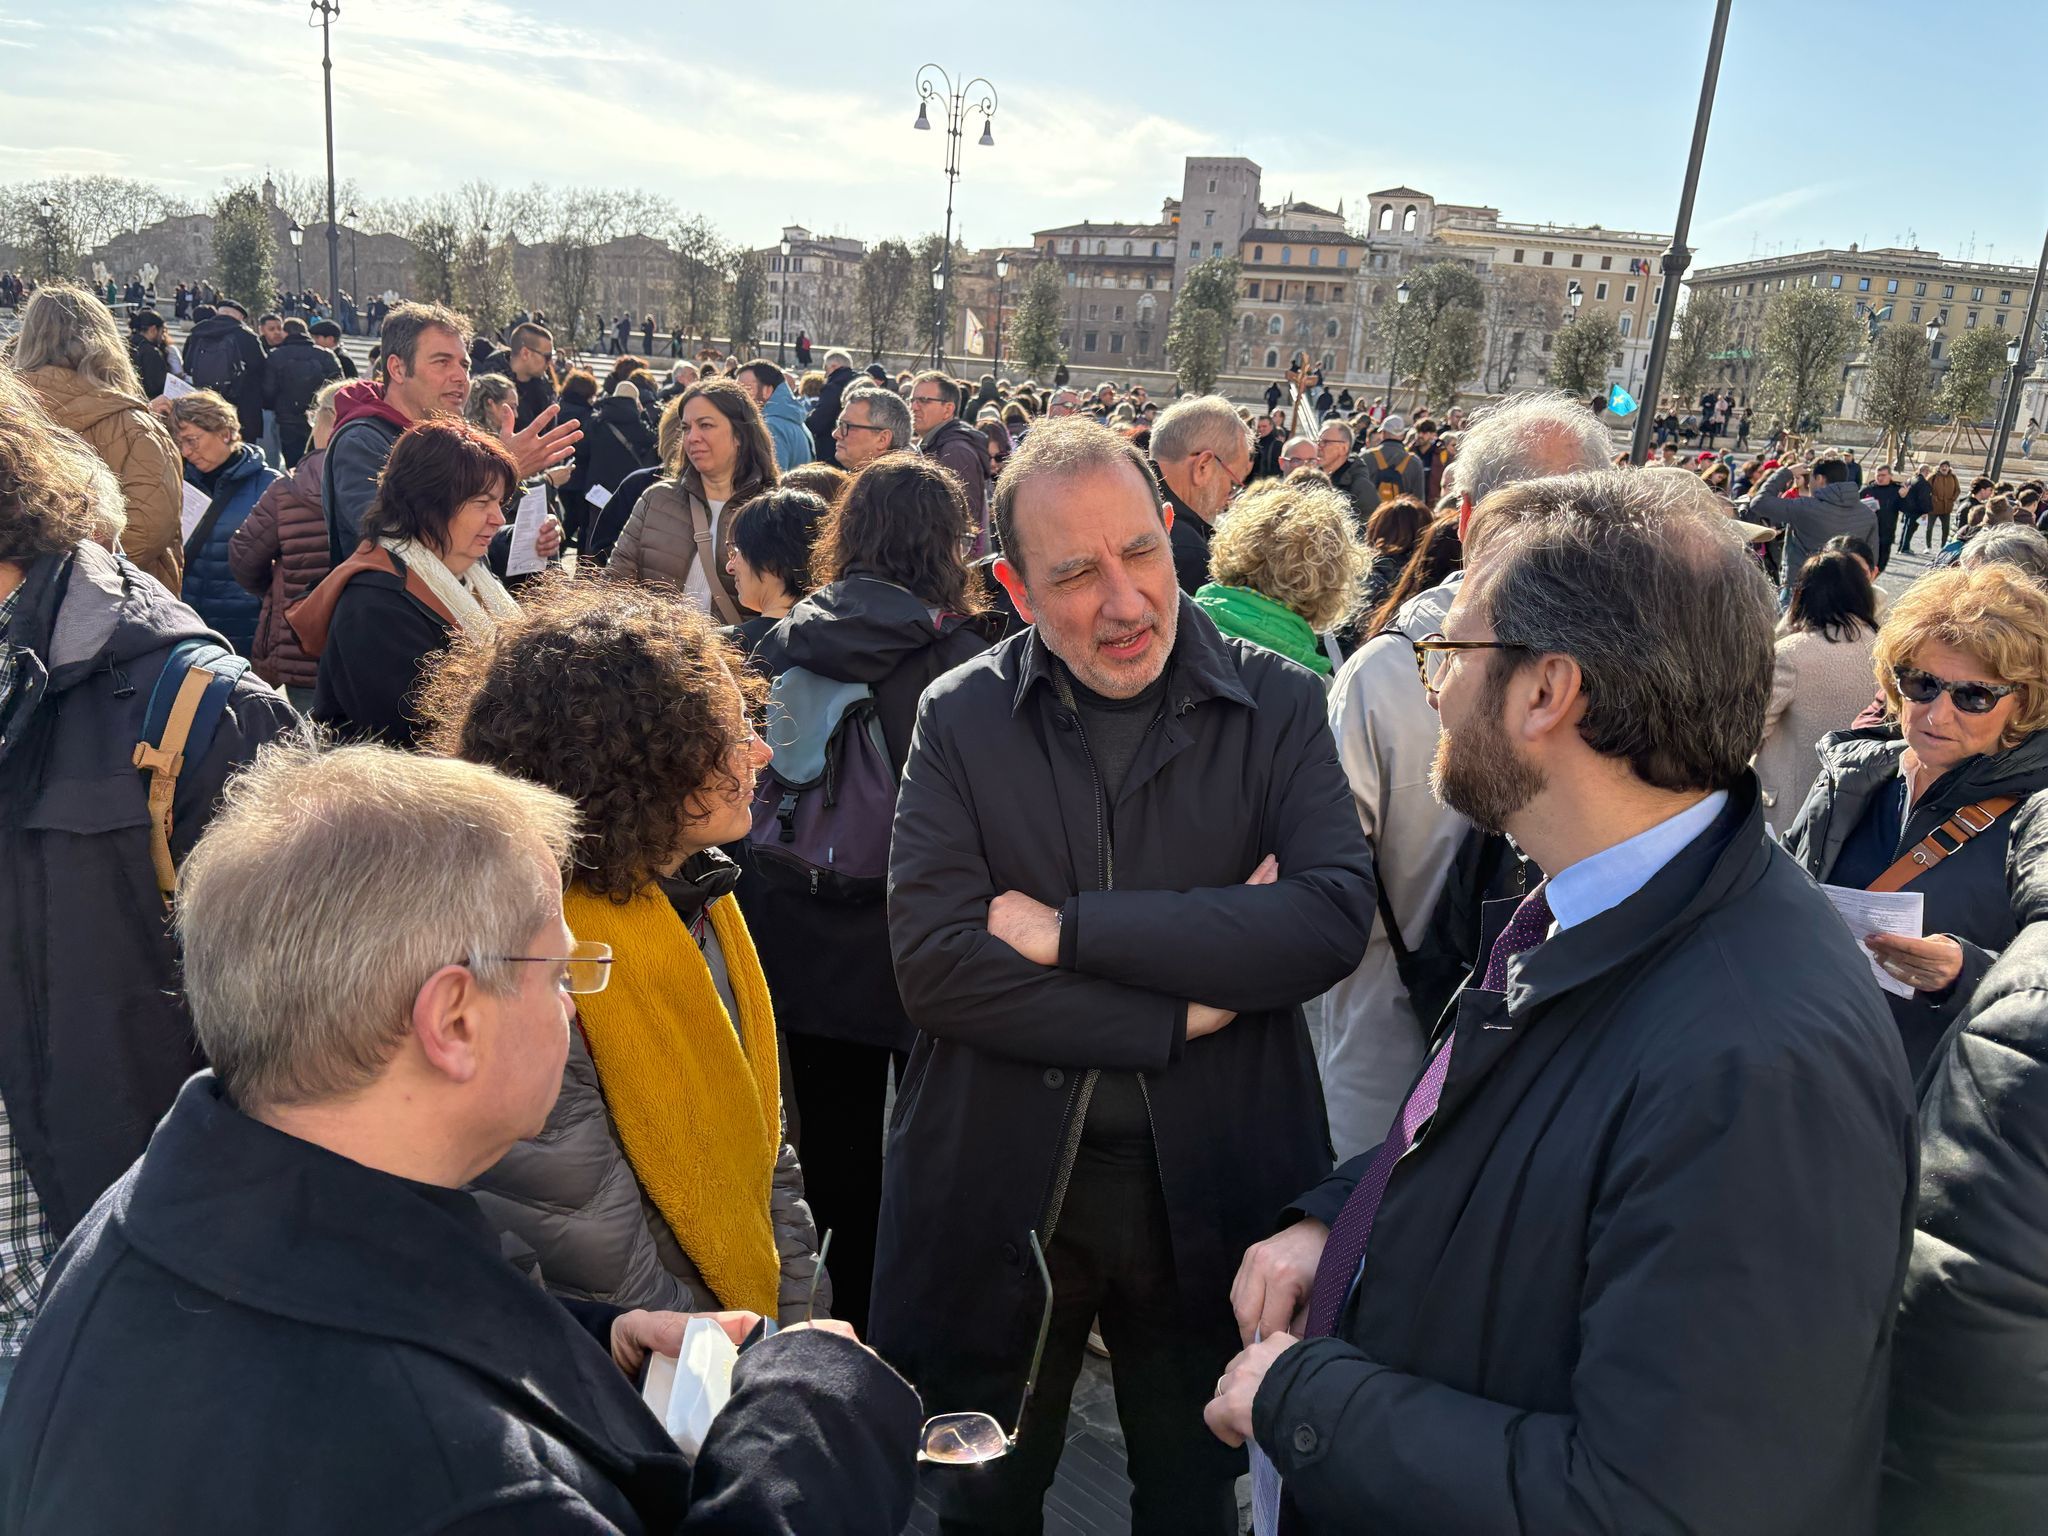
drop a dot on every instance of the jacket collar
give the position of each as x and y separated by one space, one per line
280 1226
1201 667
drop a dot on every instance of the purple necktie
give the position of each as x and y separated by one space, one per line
1345 1248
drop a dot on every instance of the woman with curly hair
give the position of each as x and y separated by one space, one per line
681 529
1285 566
894 606
662 1179
1962 658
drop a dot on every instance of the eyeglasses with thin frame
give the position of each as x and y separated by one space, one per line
842 426
926 400
969 1439
1434 654
1217 459
1970 698
586 968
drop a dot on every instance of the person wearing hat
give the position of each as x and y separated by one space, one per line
618 437
150 350
327 334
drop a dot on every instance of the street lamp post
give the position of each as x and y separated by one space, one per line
2008 399
2012 393
48 211
355 266
1394 369
298 236
782 332
327 11
1002 271
1576 296
977 95
1677 258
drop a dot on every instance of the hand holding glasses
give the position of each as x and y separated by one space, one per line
969 1439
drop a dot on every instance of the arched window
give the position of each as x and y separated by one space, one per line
1330 329
1048 248
1272 357
1386 218
1379 294
1258 253
1155 247
1315 256
1409 220
1286 255
1274 326
1343 258
1102 247
1329 362
1128 248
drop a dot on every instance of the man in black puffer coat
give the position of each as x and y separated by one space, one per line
1967 1452
292 376
222 354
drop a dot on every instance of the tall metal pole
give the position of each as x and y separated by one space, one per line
976 95
1678 257
2019 370
328 10
997 366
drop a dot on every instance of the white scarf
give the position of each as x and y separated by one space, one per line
476 598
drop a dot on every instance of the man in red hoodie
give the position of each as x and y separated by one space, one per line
425 359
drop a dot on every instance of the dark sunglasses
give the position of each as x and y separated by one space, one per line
1970 698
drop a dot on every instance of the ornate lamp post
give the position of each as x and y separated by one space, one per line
2016 353
298 237
327 11
1576 295
355 267
782 331
1002 271
977 95
1394 372
48 212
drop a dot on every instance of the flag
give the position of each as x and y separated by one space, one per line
1619 400
973 335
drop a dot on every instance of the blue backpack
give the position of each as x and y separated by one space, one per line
184 711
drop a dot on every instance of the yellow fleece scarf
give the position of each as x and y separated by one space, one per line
699 1118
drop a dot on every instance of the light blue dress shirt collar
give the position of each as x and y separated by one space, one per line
1610 877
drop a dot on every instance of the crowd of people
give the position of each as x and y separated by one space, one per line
1366 922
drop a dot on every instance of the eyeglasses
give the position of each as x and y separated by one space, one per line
968 1439
586 968
1434 654
842 426
1970 698
926 400
1216 459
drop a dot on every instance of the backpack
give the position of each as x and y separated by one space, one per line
1485 868
216 364
823 810
185 707
1385 472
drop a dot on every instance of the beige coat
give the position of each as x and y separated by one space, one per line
659 541
139 452
1819 685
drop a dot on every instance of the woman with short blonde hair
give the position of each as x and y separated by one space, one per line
1959 778
70 354
1285 566
232 476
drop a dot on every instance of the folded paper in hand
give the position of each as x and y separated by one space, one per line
686 1390
1867 912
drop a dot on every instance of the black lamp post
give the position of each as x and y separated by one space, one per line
48 211
1576 296
1394 372
355 267
2016 354
327 11
1002 271
298 237
977 95
782 332
1678 257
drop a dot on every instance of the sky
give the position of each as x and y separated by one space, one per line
1836 120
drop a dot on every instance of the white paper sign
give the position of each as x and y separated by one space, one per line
1867 912
597 496
686 1391
196 503
525 557
175 386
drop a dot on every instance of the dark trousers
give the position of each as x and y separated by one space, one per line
1909 524
294 437
1112 1258
839 1088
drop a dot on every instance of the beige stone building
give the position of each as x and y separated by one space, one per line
820 278
1919 285
1120 283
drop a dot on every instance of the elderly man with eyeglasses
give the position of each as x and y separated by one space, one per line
872 421
1202 453
294 1262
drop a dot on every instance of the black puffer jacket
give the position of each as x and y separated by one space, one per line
828 965
1968 1445
619 442
292 376
1981 896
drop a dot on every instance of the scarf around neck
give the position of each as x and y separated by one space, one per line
1255 617
476 599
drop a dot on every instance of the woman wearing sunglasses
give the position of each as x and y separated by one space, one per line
1947 800
663 1178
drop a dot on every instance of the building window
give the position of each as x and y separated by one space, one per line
1628 293
1144 343
1208 218
1329 362
1195 250
1286 255
1916 314
1999 319
1606 263
1119 313
1129 248
1657 296
1102 247
1835 281
1578 258
1970 321
1330 330
1087 341
1941 315
1386 218
1976 295
1623 323
1272 358
1336 293
1936 353
1251 288
1216 248
1919 290
1863 285
1258 253
1116 342
2005 295
1549 258
1410 219
1155 252
1600 291
1212 183
1094 311
1518 254
1892 285
1315 256
1274 326
1948 290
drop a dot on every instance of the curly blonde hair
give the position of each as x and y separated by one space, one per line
1293 541
207 411
1989 613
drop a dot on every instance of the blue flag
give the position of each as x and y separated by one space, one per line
1619 400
